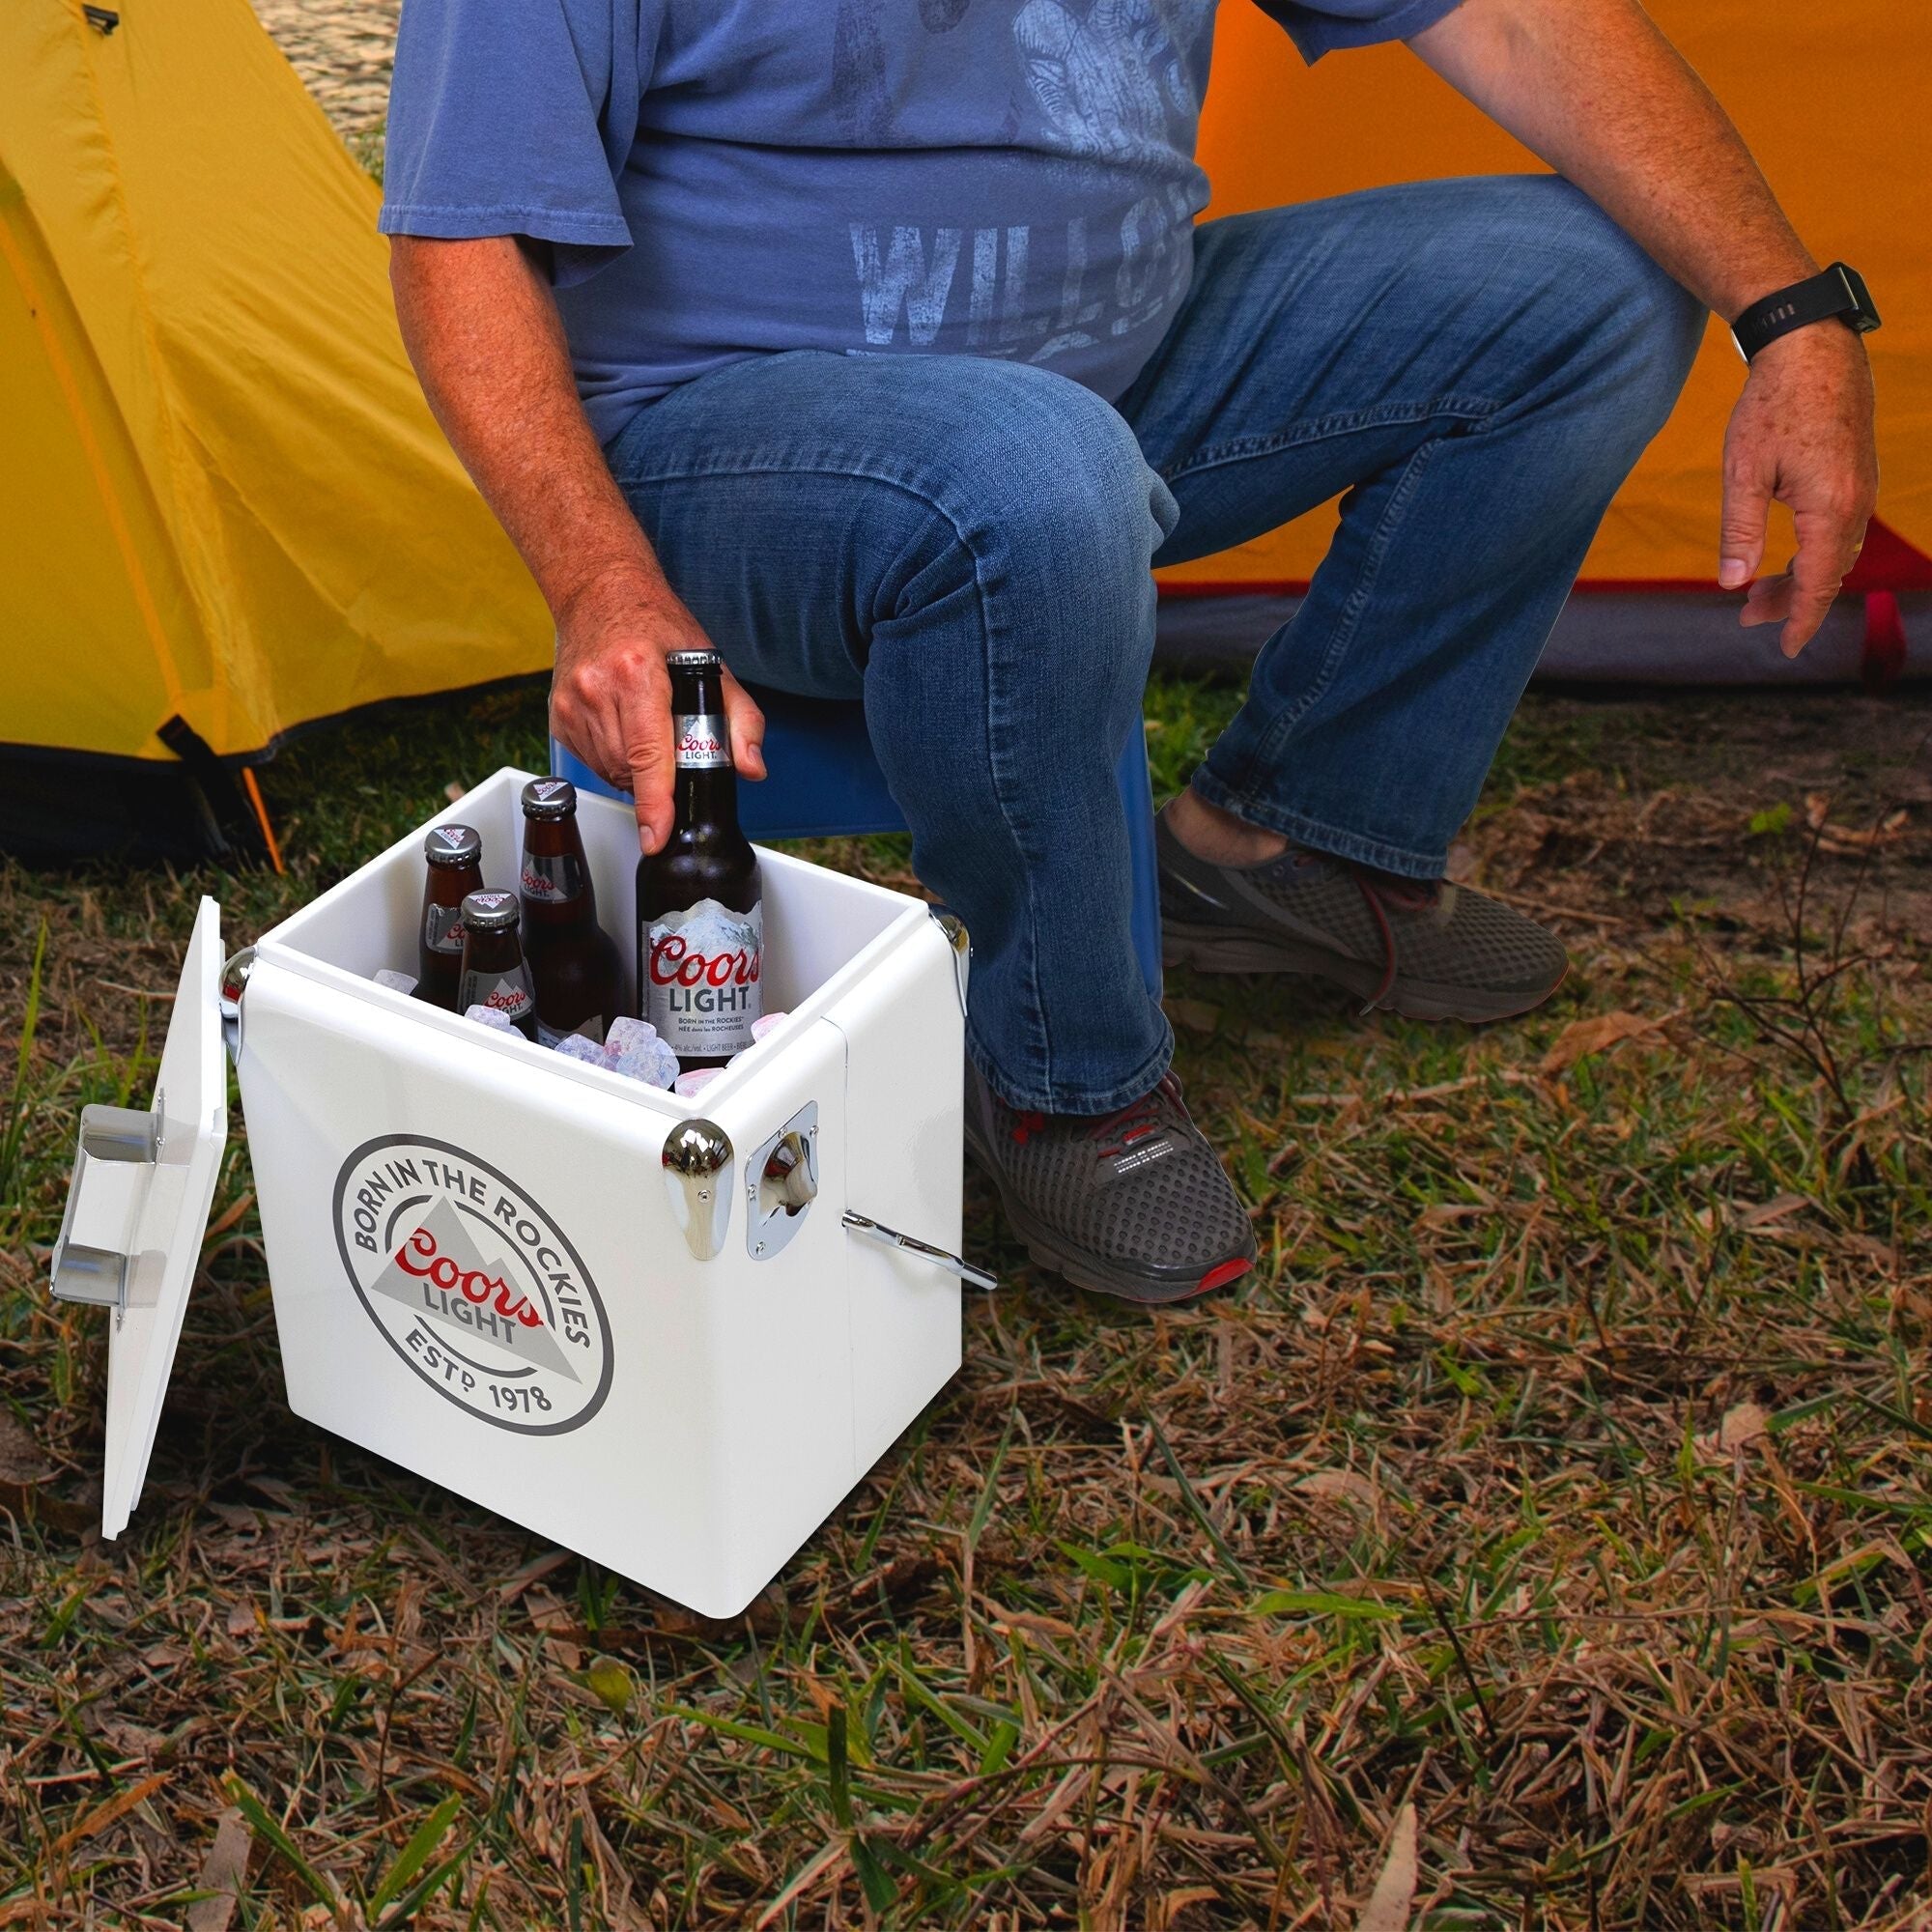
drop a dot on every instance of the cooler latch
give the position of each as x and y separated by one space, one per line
82 1272
891 1238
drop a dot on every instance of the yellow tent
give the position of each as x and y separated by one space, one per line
222 500
1834 97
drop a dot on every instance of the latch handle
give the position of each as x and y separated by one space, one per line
911 1245
121 1133
98 1277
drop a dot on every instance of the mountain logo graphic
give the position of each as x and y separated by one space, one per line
472 1285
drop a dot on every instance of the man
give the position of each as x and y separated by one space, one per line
871 341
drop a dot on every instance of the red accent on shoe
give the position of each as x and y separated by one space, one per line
1026 1126
1221 1274
1132 1123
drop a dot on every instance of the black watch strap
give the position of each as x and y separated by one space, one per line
1839 291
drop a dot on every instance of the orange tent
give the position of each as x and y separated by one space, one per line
1834 98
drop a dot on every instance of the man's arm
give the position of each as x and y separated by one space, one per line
1596 91
486 340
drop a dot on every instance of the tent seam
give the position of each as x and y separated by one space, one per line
170 408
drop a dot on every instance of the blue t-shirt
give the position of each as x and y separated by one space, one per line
726 178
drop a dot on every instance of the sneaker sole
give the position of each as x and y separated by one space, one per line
1214 948
1149 1290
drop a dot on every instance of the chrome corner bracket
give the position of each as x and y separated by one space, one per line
234 983
697 1177
961 942
98 1277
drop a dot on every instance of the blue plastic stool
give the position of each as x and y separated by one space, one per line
826 784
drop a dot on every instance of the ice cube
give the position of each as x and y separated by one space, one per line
397 983
698 1079
650 1061
574 1046
765 1022
626 1030
489 1016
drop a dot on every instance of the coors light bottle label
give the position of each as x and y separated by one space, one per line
702 741
702 968
554 877
442 930
508 992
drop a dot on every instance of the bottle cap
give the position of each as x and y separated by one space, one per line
453 845
549 798
692 661
490 912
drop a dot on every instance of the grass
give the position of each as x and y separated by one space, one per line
1564 1473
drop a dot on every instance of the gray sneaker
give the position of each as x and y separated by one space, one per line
1133 1203
1424 948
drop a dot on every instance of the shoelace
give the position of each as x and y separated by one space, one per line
1134 1122
1406 895
1115 1132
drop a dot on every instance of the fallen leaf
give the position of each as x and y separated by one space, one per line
1593 1036
1761 1212
108 1812
1339 1485
1742 1426
1388 1906
221 1874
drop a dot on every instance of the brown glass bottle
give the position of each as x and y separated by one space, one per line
495 972
453 856
574 966
701 912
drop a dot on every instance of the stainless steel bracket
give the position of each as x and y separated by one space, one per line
961 942
98 1277
234 983
781 1184
891 1238
697 1177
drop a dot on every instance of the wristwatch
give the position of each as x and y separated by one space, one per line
1839 291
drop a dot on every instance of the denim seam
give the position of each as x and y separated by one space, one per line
1267 753
1318 835
1083 1100
633 478
1325 428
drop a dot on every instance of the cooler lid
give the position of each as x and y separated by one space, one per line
137 1210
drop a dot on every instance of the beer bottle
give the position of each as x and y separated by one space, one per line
493 971
573 961
700 917
454 858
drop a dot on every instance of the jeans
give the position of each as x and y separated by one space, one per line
964 543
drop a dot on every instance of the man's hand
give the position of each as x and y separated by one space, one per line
610 701
483 332
1801 432
1594 89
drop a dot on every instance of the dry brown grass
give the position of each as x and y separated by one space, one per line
1563 1473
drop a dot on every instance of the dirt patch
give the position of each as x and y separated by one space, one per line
343 50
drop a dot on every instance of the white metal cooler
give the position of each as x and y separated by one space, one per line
670 1334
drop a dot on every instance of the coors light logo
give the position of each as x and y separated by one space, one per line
472 1285
704 965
